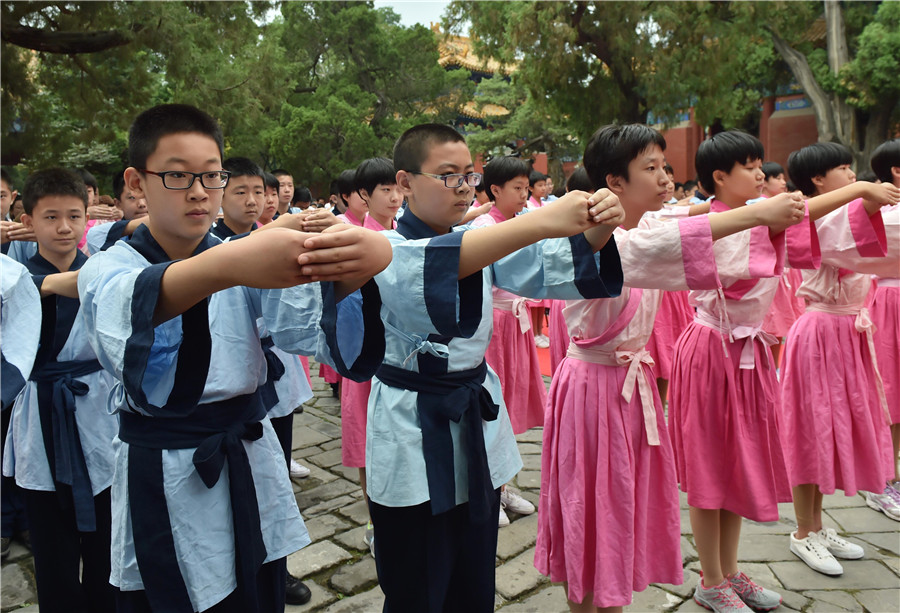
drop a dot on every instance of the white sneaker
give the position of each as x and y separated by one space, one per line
503 520
812 551
887 502
298 470
840 548
369 538
541 341
515 503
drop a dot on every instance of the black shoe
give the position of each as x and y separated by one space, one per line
335 391
295 591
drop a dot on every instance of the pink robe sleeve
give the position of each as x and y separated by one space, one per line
857 241
669 256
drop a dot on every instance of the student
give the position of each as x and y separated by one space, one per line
301 200
670 188
285 191
100 237
16 240
168 311
270 210
20 328
834 420
353 204
376 184
609 511
724 393
884 308
511 352
242 199
436 528
774 183
59 447
537 183
690 188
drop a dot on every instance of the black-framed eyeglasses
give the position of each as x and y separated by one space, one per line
182 179
453 181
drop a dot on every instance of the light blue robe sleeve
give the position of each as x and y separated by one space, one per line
562 268
20 326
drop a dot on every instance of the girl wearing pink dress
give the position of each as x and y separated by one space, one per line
608 520
724 393
834 419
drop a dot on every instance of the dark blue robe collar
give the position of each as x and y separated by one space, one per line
144 243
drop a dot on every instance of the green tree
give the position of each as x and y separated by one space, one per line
360 80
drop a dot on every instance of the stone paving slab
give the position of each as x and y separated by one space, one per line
887 541
518 576
832 600
326 459
858 575
862 519
316 557
323 526
357 512
351 578
366 602
517 536
880 600
18 587
529 479
547 600
320 597
353 539
654 599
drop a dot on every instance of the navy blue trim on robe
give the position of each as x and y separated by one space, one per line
371 354
193 359
11 383
116 232
459 396
592 280
221 229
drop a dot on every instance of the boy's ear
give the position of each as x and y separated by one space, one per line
895 176
494 193
818 181
616 184
134 181
27 221
15 194
364 194
403 182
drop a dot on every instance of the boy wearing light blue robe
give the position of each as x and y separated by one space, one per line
203 510
60 434
439 443
20 328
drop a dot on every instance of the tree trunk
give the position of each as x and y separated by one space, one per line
838 56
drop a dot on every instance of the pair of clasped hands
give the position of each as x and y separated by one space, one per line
307 247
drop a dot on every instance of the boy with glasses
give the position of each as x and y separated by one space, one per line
168 312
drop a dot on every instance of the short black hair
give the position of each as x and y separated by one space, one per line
345 182
301 194
52 182
414 145
612 148
814 161
243 167
690 184
165 119
4 176
118 183
667 168
281 172
374 172
721 152
534 176
270 180
579 181
501 170
885 157
772 169
88 178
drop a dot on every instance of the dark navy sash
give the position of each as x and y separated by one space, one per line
11 382
216 430
57 386
274 369
461 397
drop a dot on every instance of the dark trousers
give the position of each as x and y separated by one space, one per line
11 501
58 549
284 430
270 581
435 563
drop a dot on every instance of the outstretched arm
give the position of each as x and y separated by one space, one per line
875 195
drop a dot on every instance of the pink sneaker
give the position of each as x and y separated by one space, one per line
720 599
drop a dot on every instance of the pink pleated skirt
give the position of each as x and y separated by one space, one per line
608 516
305 361
329 374
514 358
559 333
786 307
354 404
884 310
673 316
722 420
833 428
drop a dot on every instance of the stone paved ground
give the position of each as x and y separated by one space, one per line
341 573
